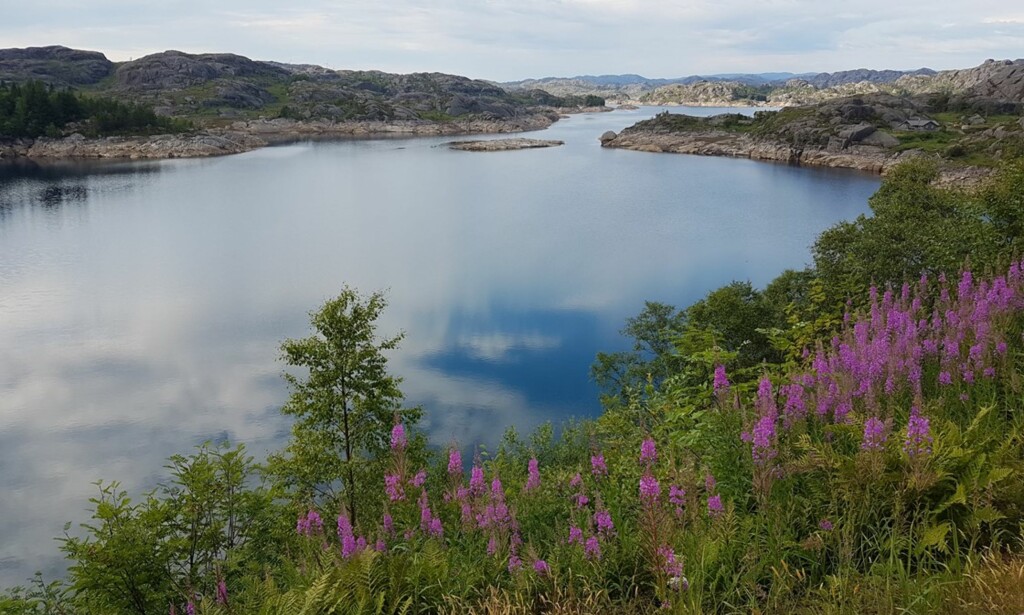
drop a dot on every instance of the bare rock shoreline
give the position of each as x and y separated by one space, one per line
867 158
249 135
503 145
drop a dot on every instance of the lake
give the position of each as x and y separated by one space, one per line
142 304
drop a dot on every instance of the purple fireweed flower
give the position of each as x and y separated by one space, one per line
919 439
541 567
874 435
514 563
426 516
597 465
795 408
720 382
965 286
454 462
533 475
825 525
190 608
677 497
389 524
765 398
709 482
476 481
309 524
398 441
576 481
436 530
1001 347
603 521
575 535
648 452
592 550
393 487
222 592
419 479
668 563
989 372
945 378
650 490
349 545
381 546
715 505
581 500
497 491
763 438
841 411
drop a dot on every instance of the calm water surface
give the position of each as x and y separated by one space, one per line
142 304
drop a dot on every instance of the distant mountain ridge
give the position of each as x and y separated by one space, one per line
757 79
999 80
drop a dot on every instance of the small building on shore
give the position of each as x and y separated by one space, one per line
918 124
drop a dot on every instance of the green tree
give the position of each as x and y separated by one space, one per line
652 357
737 314
917 227
344 407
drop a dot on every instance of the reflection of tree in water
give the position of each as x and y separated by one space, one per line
53 196
26 183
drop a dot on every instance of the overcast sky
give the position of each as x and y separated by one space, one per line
517 39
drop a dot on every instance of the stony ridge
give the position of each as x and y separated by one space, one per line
57 65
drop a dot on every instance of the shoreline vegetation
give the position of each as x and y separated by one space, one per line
848 439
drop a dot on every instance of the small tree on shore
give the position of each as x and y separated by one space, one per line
344 407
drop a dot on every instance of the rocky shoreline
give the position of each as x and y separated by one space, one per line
867 158
249 135
503 145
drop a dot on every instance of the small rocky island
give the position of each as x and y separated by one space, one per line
502 145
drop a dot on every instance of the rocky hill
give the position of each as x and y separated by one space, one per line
993 81
208 87
862 75
57 65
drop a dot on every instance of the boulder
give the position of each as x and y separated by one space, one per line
857 133
608 137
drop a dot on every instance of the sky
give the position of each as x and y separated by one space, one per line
507 40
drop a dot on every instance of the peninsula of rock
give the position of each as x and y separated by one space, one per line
502 145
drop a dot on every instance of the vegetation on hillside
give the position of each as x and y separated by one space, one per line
34 109
849 439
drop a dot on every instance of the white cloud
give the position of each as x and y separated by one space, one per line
506 39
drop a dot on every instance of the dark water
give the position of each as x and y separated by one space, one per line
142 304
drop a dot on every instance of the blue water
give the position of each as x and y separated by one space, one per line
142 304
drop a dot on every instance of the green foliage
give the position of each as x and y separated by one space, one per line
34 109
207 523
344 407
653 332
920 228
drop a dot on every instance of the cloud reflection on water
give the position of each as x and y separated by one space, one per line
145 316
